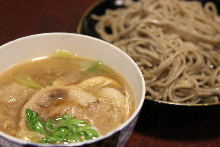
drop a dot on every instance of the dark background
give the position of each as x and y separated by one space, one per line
159 125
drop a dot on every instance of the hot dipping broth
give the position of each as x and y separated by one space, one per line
62 87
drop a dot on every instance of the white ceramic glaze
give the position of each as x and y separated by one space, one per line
29 47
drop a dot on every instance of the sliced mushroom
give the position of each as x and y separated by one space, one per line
98 82
67 79
116 97
12 97
55 101
107 102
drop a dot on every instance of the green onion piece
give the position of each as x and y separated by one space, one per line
27 81
50 82
95 67
62 54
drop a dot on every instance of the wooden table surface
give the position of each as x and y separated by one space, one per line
157 127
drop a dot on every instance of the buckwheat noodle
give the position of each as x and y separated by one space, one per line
175 43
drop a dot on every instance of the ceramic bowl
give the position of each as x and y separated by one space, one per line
29 47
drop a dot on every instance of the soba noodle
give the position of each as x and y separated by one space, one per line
175 43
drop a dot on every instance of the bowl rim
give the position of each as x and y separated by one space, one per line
118 129
86 13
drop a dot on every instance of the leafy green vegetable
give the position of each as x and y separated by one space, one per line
62 129
27 81
62 54
34 122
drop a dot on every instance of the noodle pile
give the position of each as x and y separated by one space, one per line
175 43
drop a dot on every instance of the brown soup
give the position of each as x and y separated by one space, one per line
54 86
